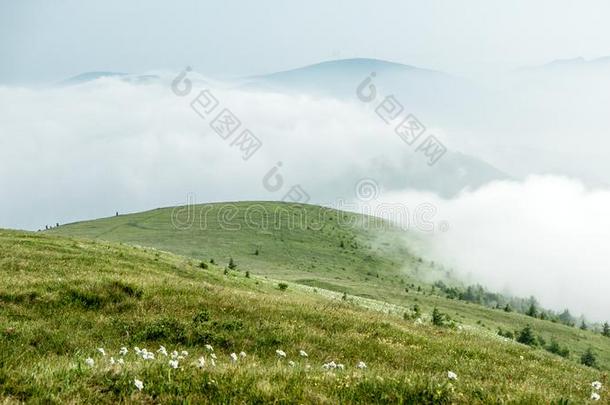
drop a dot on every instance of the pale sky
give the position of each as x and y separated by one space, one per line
45 41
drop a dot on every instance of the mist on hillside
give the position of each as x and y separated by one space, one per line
539 237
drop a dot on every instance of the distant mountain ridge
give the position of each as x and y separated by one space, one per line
359 65
91 76
569 63
436 98
339 78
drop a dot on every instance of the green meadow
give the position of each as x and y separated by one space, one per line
355 294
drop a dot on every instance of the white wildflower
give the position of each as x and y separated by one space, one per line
595 396
292 363
137 350
89 361
173 363
123 351
184 353
139 384
102 351
242 354
121 361
209 348
213 362
361 365
175 354
451 375
201 362
302 353
233 357
112 361
162 350
329 366
148 356
281 353
340 366
597 385
213 356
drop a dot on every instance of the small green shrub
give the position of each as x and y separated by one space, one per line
589 358
438 318
96 297
557 349
165 330
201 317
506 333
526 336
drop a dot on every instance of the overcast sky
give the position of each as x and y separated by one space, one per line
44 41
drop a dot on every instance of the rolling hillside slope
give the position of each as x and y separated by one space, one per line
294 242
63 299
324 248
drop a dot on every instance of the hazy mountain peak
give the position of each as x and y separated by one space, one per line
566 62
370 63
91 76
603 59
347 67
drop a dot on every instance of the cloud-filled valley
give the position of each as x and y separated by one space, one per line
86 151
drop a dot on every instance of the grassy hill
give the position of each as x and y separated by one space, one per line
325 248
301 243
61 299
